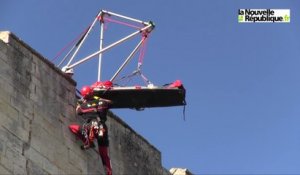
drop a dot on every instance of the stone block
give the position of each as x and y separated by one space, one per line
38 142
4 96
50 167
14 143
34 156
41 122
3 135
5 71
20 170
44 111
94 164
12 127
15 127
19 45
8 111
58 154
73 145
2 147
23 105
62 172
24 121
34 169
78 161
15 60
6 85
5 36
14 161
43 74
71 169
4 171
7 163
180 171
68 111
3 56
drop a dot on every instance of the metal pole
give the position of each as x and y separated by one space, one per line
128 59
87 33
108 47
125 17
64 59
101 46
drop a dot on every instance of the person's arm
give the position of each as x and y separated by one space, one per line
78 110
80 102
106 100
103 99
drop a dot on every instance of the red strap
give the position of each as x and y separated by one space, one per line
143 50
70 44
120 22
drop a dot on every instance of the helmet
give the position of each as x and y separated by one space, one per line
85 91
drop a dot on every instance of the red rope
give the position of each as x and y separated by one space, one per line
122 23
143 50
69 44
145 36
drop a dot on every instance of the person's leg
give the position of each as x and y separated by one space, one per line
103 144
103 151
77 130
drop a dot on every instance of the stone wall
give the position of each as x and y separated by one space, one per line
37 103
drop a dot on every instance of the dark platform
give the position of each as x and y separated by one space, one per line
143 97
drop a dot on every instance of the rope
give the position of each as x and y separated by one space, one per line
128 77
142 50
78 91
121 22
184 105
70 44
184 113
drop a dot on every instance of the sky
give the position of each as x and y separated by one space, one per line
242 80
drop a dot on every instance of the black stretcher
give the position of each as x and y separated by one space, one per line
143 97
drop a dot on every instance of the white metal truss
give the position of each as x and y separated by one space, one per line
146 29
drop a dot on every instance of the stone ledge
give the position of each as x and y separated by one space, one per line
9 37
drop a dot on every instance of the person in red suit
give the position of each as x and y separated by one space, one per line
93 110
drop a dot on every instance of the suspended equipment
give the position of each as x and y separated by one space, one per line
137 97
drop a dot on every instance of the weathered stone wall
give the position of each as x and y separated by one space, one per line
37 105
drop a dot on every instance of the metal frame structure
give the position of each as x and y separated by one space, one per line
136 97
146 29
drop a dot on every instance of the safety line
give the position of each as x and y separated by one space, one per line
142 51
69 44
122 23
